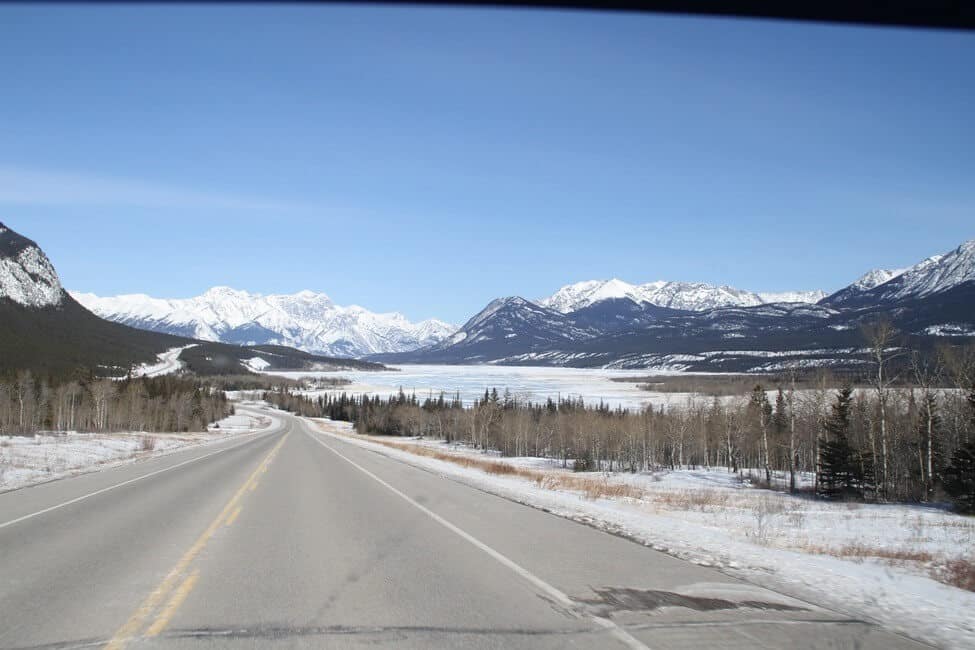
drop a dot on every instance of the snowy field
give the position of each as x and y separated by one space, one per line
526 382
26 460
885 563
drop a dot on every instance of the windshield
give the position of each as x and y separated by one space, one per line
481 327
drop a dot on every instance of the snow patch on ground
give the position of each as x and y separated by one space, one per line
256 363
949 329
769 538
27 460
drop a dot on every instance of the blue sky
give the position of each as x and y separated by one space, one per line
428 160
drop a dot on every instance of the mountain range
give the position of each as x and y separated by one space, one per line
689 296
306 320
686 326
611 323
310 321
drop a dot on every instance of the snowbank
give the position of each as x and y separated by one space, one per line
27 460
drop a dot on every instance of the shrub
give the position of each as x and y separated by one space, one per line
584 464
959 573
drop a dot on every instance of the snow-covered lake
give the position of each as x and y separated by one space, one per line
532 383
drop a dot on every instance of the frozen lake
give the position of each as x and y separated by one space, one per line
531 383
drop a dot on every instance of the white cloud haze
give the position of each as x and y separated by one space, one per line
24 186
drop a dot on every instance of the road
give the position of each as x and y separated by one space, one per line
294 539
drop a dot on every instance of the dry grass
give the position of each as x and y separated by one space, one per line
703 500
593 487
148 443
862 552
958 573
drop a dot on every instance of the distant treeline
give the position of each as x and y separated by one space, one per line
167 403
909 443
252 381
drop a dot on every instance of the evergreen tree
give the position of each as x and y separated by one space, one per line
841 471
780 419
959 478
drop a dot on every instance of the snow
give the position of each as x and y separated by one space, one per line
692 296
653 362
935 274
306 320
492 308
812 550
780 366
531 383
783 353
875 278
28 277
949 329
27 460
811 297
534 383
241 422
168 362
256 363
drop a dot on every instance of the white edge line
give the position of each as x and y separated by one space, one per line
122 484
552 592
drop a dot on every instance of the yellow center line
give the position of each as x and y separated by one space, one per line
177 599
233 517
138 617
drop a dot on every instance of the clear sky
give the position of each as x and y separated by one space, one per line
428 160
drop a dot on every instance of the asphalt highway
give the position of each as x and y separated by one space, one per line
295 539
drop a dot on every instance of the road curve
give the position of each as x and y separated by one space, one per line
292 538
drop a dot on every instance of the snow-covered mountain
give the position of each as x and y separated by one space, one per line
688 296
306 320
582 294
506 318
934 275
875 278
27 277
506 326
810 297
862 285
680 325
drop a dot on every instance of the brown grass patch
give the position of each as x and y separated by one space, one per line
693 499
863 552
591 487
958 573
